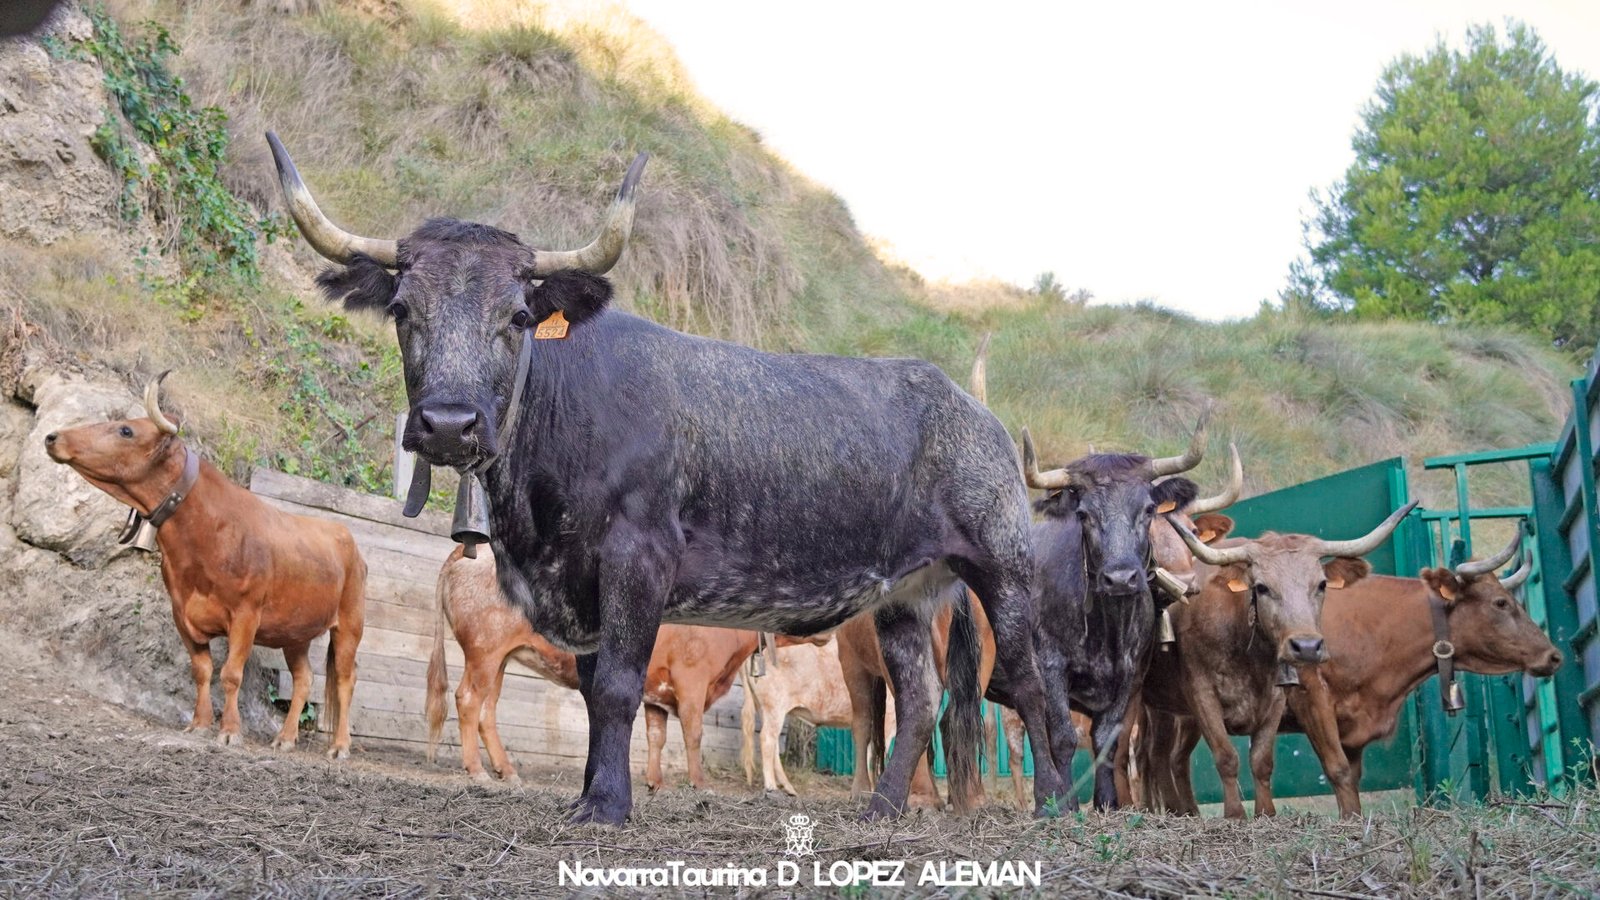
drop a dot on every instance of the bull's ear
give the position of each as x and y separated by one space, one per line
1173 494
1342 571
578 295
1236 577
1210 527
1442 582
363 284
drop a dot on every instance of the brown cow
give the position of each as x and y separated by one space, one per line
1380 638
233 566
802 677
1259 606
690 668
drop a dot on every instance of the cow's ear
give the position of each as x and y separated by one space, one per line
1173 494
1209 527
1444 583
1343 571
578 295
363 284
1236 577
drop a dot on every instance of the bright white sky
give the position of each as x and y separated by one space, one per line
1159 150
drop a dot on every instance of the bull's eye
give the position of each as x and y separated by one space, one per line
398 312
125 431
1149 509
1501 603
1322 587
519 319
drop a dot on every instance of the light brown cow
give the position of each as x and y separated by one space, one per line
800 677
1380 638
1259 607
690 668
233 566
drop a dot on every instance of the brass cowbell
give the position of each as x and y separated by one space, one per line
139 532
471 525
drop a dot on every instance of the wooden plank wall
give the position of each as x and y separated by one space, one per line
540 723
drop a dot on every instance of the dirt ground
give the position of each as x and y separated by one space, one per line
96 800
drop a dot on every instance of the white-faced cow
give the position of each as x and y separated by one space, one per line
653 476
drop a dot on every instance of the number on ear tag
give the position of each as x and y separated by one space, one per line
553 328
1166 507
1238 585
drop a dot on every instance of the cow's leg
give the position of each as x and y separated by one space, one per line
471 695
341 681
691 717
924 793
1263 745
586 663
906 640
655 740
298 659
1208 716
771 733
777 766
1008 602
1186 736
1313 706
200 671
1127 775
489 729
1012 725
1353 754
241 637
1107 732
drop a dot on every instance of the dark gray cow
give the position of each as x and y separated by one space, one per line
1096 608
652 476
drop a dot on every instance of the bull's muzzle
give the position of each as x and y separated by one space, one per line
448 434
1305 649
1547 666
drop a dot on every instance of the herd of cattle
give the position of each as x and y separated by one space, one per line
855 536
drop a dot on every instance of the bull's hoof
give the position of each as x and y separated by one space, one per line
338 753
284 744
924 802
511 777
879 809
230 739
592 812
196 727
773 794
480 776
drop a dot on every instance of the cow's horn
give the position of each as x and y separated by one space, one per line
1215 556
152 404
1229 495
1053 480
980 370
1485 566
324 237
1515 579
1172 465
1361 546
604 251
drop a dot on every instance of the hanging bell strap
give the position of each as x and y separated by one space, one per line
1444 655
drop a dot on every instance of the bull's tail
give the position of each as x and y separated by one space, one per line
877 739
438 708
747 726
963 718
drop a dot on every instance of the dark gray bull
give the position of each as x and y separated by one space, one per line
1098 614
653 476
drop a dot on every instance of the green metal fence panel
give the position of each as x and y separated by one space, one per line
1571 605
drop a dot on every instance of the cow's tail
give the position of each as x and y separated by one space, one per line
963 718
438 676
747 725
877 739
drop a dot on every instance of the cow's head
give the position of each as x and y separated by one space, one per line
1286 579
1491 631
1115 497
1169 550
121 456
463 296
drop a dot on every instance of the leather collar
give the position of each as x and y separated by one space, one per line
1444 654
163 511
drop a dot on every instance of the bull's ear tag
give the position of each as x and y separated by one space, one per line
1237 585
553 328
1336 583
1206 536
1165 508
1447 592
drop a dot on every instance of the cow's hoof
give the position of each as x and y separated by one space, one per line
773 794
924 803
511 777
590 812
230 739
878 810
338 753
480 776
196 727
286 745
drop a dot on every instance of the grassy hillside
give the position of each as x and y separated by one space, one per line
396 110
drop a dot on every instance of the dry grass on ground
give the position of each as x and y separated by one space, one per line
96 801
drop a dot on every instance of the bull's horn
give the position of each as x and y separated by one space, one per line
1485 566
1172 465
1361 546
1053 480
604 251
980 370
1515 579
1229 495
324 237
152 404
1215 556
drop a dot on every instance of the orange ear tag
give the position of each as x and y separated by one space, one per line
1336 583
1446 592
1206 536
1237 585
1166 507
553 328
